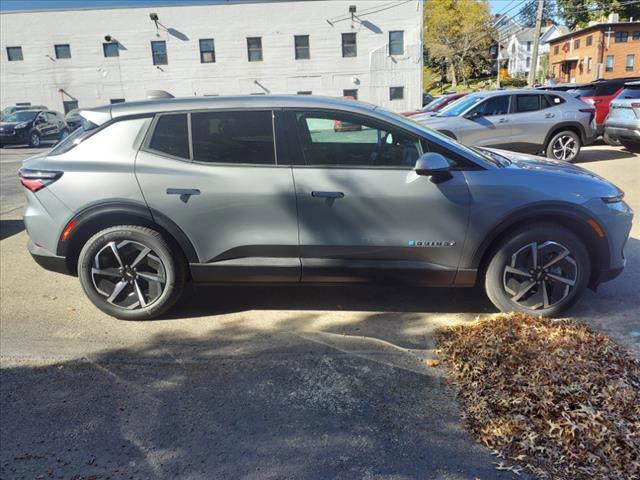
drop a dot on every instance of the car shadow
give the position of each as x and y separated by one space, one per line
8 228
597 154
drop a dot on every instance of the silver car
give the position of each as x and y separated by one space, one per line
531 121
623 122
147 196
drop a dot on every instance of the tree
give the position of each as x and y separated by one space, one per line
527 14
578 13
457 35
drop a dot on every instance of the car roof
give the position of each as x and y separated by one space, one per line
105 113
635 83
493 93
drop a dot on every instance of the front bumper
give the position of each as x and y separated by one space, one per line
47 260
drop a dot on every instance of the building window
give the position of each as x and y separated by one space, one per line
14 54
349 46
62 51
621 37
396 43
528 46
350 93
609 65
116 100
636 35
630 61
110 49
69 105
528 62
588 64
304 92
589 40
396 93
577 43
301 43
254 49
207 52
159 52
556 49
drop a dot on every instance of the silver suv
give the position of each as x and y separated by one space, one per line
294 189
623 122
530 121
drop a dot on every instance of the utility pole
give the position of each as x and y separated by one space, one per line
536 43
498 66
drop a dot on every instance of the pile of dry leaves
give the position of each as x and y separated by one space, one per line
551 396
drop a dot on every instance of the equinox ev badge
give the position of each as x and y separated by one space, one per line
419 243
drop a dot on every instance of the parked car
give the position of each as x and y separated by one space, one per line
31 127
562 87
160 192
73 119
426 98
623 122
531 121
599 94
438 103
16 108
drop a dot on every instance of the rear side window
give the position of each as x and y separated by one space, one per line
233 137
171 135
527 103
551 101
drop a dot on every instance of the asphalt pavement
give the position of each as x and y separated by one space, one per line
254 382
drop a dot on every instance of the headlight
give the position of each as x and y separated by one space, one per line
613 199
21 125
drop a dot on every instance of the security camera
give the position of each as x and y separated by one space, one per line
153 16
352 9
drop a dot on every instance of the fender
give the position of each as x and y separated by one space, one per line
121 212
569 123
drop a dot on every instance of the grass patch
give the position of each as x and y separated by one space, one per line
553 397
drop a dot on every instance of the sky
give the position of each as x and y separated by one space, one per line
496 5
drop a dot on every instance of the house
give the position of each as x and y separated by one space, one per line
518 48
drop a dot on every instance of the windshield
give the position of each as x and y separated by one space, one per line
20 117
458 107
432 103
630 92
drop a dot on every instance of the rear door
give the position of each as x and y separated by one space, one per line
226 191
363 212
532 117
487 124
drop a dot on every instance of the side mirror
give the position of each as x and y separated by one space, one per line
473 115
431 164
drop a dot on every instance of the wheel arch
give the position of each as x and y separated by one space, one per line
574 127
98 217
567 217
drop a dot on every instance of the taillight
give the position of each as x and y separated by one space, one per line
635 105
35 180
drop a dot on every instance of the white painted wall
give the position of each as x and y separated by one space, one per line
94 80
517 52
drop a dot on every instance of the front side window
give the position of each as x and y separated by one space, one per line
302 47
62 51
349 45
630 61
396 43
396 93
254 49
527 103
233 137
171 135
207 52
14 54
159 52
621 37
344 140
609 65
110 49
494 106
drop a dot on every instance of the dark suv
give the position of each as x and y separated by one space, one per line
30 127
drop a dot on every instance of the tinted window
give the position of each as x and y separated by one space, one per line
301 46
171 135
159 52
396 93
207 52
111 49
553 100
350 93
14 54
233 137
608 89
396 43
349 46
494 106
339 139
254 49
528 103
630 92
62 51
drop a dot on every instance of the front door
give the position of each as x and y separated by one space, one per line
488 124
363 212
226 191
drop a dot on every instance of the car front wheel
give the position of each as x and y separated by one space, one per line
541 269
564 146
131 272
34 140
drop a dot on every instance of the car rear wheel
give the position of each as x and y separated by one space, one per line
34 140
609 140
130 272
631 146
541 269
564 146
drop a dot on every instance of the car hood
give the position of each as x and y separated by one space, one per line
9 125
431 120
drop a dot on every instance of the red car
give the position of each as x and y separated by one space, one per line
436 104
599 94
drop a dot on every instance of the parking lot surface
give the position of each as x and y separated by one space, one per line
254 382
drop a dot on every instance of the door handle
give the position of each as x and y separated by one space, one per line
549 115
183 191
327 194
503 120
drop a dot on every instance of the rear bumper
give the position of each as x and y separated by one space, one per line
47 260
630 133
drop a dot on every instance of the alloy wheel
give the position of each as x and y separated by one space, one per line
129 274
35 140
540 275
565 147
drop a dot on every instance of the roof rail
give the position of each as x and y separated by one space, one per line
157 94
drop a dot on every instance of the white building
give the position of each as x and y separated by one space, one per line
86 57
518 48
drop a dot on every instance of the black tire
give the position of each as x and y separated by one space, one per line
517 246
34 140
564 136
172 268
609 140
631 146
